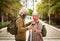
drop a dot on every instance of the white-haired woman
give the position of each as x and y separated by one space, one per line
36 29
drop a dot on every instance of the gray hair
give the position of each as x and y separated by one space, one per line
22 10
35 13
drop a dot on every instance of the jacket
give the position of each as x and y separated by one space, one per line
21 32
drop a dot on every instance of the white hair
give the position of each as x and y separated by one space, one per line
23 9
35 13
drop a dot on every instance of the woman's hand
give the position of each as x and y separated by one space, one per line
31 27
34 28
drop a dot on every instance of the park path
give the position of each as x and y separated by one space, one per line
53 34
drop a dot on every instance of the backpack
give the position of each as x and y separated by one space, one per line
44 31
12 28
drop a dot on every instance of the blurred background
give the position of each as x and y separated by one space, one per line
48 10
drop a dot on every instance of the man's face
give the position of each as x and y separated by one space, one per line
23 14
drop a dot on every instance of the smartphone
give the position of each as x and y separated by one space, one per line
33 23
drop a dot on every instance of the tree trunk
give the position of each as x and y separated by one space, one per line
2 18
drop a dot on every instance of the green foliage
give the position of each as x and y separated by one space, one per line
54 8
49 8
30 11
4 24
43 7
11 7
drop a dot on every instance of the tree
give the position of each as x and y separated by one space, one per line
30 11
9 7
54 10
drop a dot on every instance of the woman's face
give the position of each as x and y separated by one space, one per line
35 18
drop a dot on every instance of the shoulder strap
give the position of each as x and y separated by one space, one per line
37 24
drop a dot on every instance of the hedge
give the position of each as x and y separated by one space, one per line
4 24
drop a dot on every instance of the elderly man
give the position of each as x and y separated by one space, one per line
21 32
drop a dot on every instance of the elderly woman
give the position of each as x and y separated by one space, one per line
36 28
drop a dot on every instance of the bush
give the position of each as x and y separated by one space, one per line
30 11
4 24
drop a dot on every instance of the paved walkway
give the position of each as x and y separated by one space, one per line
51 31
53 34
5 36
